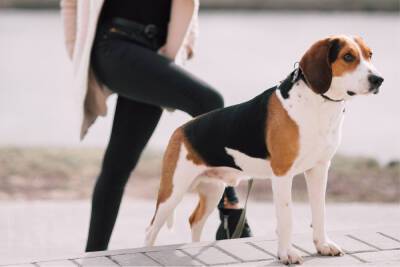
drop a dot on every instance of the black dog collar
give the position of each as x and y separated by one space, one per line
286 85
330 99
296 75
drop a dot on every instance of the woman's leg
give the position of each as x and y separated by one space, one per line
142 75
134 123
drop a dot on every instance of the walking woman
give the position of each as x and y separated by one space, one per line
133 48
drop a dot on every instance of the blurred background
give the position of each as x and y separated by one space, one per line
245 47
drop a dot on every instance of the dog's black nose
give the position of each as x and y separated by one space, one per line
375 80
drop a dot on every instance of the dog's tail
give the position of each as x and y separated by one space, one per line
170 160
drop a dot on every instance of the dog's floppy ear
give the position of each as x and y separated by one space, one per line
316 64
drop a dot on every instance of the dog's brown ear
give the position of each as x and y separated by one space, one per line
316 64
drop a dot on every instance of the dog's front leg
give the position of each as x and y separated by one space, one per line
282 190
316 179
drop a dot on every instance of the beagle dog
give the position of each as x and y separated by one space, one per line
292 128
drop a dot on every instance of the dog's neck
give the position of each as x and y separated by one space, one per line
297 76
301 97
312 112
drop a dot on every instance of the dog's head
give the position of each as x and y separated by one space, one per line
340 67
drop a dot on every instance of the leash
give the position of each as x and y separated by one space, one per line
239 227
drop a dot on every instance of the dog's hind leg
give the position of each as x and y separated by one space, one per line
164 210
210 191
210 186
178 175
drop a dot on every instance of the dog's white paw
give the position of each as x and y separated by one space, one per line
328 248
290 256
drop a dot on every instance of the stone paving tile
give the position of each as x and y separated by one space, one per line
95 261
381 264
136 259
305 243
19 265
391 234
243 251
331 261
259 263
200 244
348 244
367 249
272 247
60 263
210 255
173 258
377 240
381 256
106 253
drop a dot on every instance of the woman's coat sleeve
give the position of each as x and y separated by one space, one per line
68 14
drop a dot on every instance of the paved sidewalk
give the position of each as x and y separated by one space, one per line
362 248
33 231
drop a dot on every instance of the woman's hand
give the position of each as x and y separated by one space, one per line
163 51
189 52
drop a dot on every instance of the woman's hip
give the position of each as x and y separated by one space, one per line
148 36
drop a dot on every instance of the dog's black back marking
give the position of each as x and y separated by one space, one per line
240 127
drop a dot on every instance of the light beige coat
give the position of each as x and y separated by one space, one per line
80 19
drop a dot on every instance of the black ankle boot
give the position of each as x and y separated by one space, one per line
229 220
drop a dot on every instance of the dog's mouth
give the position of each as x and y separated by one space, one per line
371 90
374 90
351 93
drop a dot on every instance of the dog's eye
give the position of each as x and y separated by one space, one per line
349 57
370 54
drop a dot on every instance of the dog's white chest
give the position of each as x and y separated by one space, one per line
319 122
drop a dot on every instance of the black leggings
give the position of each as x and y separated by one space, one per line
144 82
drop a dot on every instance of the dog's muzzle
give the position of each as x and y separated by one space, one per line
375 82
